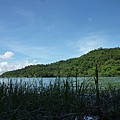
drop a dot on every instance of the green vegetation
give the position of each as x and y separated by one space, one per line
108 61
65 99
58 101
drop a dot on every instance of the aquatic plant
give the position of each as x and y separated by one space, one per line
59 100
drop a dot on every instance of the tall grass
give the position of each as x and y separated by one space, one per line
57 101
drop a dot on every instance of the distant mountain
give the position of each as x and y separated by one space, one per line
107 59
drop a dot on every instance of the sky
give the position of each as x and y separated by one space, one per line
46 31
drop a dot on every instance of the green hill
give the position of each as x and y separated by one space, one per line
108 61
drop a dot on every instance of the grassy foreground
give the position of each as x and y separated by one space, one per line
61 100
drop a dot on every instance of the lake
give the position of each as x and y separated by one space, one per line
45 81
103 81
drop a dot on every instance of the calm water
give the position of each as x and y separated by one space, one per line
46 81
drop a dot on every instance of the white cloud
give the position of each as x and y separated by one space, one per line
90 19
6 66
90 42
7 55
30 50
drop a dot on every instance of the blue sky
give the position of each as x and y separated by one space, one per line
46 31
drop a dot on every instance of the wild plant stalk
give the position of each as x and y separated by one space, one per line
97 91
58 100
76 81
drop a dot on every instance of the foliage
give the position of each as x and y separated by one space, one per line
107 59
57 101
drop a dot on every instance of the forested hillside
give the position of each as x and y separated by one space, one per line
108 61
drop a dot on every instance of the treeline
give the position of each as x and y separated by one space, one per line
107 59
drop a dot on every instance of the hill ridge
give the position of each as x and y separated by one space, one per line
108 60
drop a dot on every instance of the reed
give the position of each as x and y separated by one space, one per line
59 100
